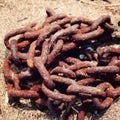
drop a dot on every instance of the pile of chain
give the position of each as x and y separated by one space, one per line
66 64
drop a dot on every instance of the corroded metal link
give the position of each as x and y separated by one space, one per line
64 61
56 95
12 34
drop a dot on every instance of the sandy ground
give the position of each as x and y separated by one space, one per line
17 13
